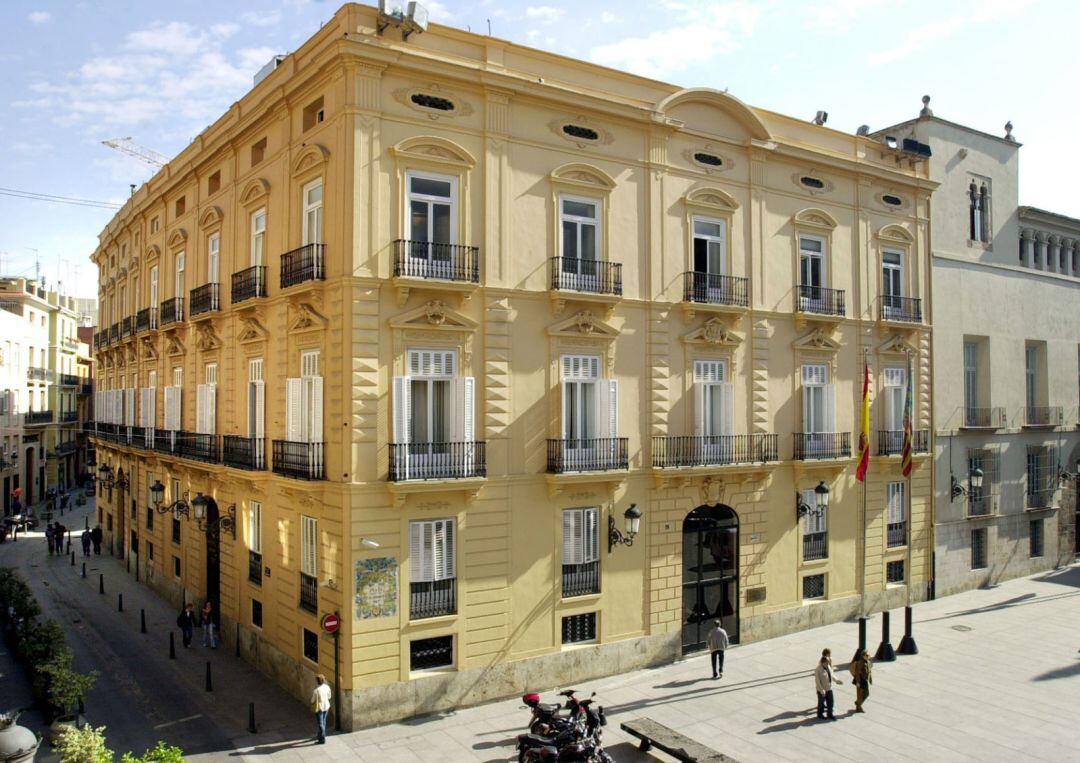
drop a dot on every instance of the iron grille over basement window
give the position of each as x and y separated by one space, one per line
894 571
429 653
579 628
813 587
311 646
577 131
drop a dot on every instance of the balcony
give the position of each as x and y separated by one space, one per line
86 389
1043 416
437 460
39 374
896 534
719 450
900 309
580 579
66 447
303 265
586 276
709 289
890 442
433 261
166 441
127 327
198 447
146 320
817 300
68 380
816 445
1040 498
983 418
309 593
299 460
980 505
69 417
815 546
249 284
172 311
114 333
140 437
595 455
255 567
205 299
434 598
37 418
69 343
243 452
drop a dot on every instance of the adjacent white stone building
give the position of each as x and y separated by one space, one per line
1006 317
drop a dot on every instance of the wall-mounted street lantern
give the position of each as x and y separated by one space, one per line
224 523
615 537
975 482
821 502
105 477
6 464
178 507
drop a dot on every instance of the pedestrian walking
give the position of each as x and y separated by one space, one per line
823 682
95 538
49 538
85 538
59 533
186 622
209 638
862 678
320 705
717 642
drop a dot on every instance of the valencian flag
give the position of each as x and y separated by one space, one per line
905 458
864 427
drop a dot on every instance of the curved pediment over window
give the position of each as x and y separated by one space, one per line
152 252
712 197
812 217
254 190
729 104
211 216
896 233
313 155
583 176
177 238
430 148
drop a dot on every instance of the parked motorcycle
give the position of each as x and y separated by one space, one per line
555 738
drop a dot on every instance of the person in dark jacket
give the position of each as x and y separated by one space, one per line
85 538
861 675
59 534
49 538
95 538
186 621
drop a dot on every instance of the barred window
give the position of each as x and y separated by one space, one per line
431 653
1041 476
311 646
813 587
256 613
577 629
978 549
894 571
1035 537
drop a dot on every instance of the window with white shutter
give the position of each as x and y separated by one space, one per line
714 403
255 527
151 379
581 551
815 544
587 411
207 401
819 400
432 568
895 394
256 419
178 376
309 538
896 501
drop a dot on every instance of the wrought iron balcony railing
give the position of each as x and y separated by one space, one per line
890 442
249 283
580 579
1040 498
299 460
244 452
432 599
255 567
33 418
815 546
896 534
39 374
437 460
1043 416
127 326
146 319
198 447
811 445
70 343
172 311
63 448
595 455
309 593
711 289
205 299
980 505
167 441
590 276
304 264
819 300
902 309
114 333
68 380
716 450
984 418
69 417
430 260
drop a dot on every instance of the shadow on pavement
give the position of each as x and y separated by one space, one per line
1066 672
1017 601
683 684
270 749
1065 576
788 714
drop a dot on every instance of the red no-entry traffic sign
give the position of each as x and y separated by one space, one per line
331 623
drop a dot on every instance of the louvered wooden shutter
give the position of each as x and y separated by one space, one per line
172 408
591 535
314 418
402 408
571 529
129 407
255 529
699 409
201 394
610 407
420 540
293 426
445 568
830 408
727 391
309 563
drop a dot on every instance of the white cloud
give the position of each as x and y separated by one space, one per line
922 36
607 17
702 33
39 17
269 18
31 147
837 16
544 13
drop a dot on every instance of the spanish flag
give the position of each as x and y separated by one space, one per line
864 426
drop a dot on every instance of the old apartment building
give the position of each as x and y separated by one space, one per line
525 367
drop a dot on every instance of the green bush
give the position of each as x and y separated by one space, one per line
65 684
85 745
162 753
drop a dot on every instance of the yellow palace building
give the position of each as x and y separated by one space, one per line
525 367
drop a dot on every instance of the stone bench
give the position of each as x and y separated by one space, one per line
653 734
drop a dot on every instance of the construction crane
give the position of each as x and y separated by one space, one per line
143 154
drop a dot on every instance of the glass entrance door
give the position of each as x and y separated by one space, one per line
710 574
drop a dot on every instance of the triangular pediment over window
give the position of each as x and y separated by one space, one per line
584 323
897 345
435 314
818 339
715 332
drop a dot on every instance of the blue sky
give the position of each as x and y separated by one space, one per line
81 72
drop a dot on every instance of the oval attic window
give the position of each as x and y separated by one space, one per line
893 201
583 133
710 159
810 182
432 102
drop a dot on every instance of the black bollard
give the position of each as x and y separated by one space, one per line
172 646
84 569
237 639
885 651
69 542
862 633
142 621
119 602
251 717
128 563
101 582
209 683
86 522
907 643
73 559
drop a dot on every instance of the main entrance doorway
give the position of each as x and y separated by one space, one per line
710 574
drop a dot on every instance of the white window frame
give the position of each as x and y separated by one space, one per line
309 546
1031 375
809 254
213 257
709 238
313 213
711 387
896 502
256 419
576 275
255 527
417 250
815 520
432 550
179 284
154 295
581 536
892 275
258 237
971 375
895 395
819 415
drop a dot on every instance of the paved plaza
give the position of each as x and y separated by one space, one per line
997 677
